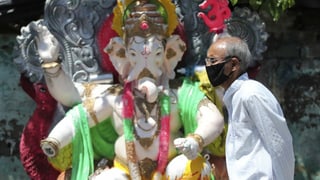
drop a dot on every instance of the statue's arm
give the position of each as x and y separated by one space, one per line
59 83
210 121
94 112
210 125
61 87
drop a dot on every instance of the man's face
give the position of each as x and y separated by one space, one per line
215 65
215 54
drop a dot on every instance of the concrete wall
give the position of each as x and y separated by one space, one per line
291 69
15 109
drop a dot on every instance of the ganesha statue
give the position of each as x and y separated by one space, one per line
157 125
110 103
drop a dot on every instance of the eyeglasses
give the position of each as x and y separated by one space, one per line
210 61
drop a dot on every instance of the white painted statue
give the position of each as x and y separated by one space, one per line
154 139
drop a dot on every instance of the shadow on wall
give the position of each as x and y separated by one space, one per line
302 108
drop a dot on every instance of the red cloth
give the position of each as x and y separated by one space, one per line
33 159
253 71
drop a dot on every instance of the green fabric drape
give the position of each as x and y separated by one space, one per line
189 96
82 154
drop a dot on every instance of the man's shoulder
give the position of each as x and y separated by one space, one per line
251 85
252 88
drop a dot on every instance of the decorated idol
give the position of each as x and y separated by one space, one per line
110 103
160 124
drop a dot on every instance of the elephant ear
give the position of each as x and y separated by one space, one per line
175 48
117 54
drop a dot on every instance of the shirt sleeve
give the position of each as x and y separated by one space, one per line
269 121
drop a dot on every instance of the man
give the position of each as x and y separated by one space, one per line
258 143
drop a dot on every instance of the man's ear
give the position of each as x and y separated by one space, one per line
235 61
235 64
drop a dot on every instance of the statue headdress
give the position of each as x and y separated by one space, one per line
144 17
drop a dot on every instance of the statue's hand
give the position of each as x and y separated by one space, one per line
188 146
48 46
49 147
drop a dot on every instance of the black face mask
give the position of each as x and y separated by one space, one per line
216 75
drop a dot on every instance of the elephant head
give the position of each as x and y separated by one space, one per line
146 59
154 54
148 52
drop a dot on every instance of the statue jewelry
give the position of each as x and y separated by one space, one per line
153 131
128 115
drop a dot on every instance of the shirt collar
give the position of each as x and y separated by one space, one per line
234 87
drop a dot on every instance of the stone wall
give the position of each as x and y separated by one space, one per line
291 69
15 109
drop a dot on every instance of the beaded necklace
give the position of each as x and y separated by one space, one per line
128 114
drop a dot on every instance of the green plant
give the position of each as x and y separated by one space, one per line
274 7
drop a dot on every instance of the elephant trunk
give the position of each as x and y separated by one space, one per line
148 87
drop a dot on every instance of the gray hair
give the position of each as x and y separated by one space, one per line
239 48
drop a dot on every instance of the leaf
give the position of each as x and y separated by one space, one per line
254 4
234 2
274 7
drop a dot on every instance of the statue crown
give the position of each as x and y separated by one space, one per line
143 20
144 17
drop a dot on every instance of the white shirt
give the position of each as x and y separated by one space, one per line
259 143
